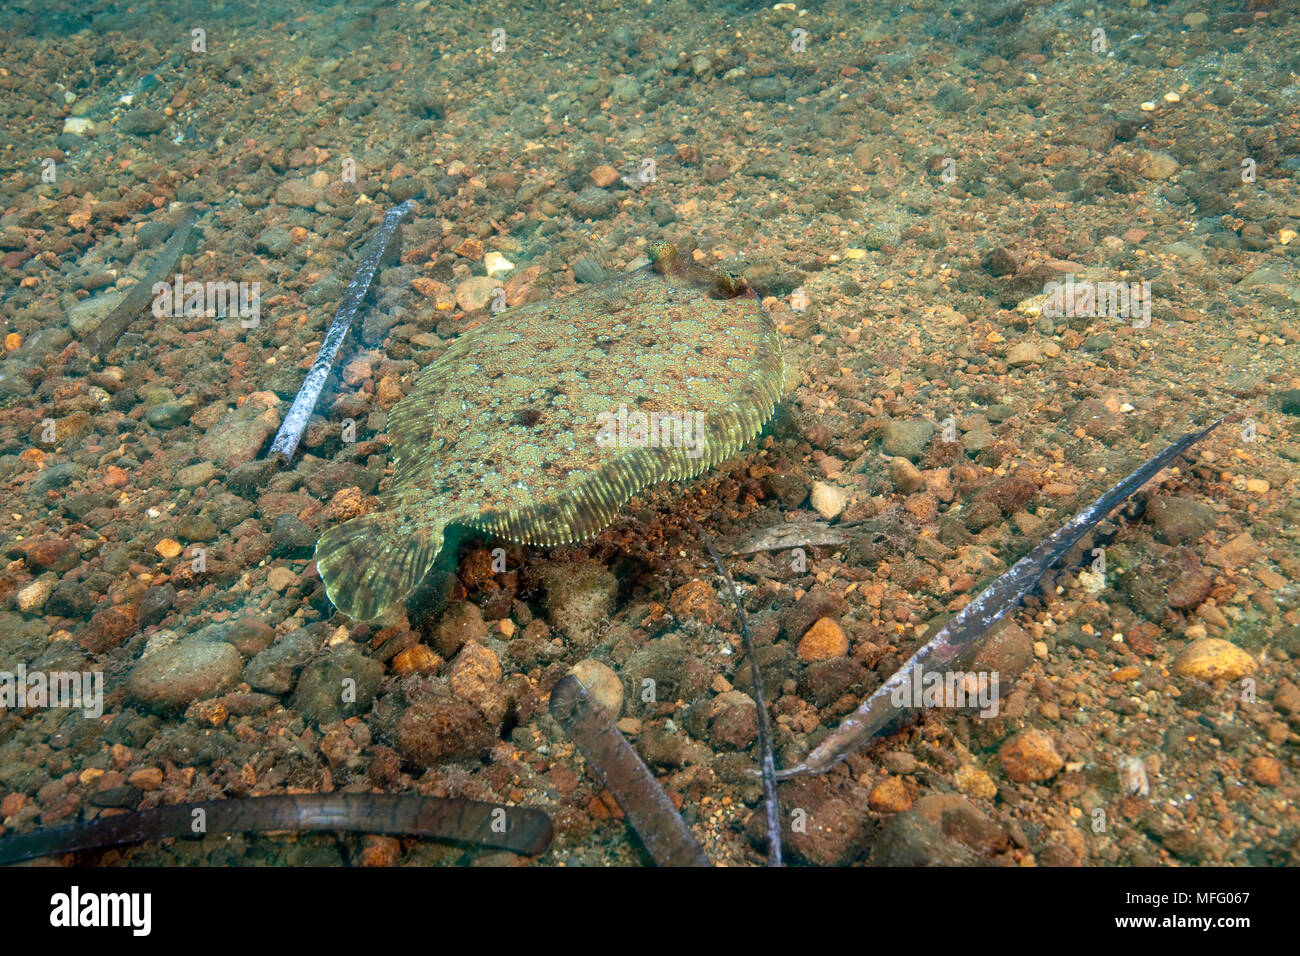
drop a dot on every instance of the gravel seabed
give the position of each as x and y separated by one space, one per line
901 185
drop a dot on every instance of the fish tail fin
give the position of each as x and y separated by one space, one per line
372 563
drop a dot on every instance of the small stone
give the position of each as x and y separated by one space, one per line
32 598
433 730
476 293
696 600
1156 165
142 122
890 796
196 476
249 636
471 248
1235 553
1024 353
827 500
341 684
168 415
273 670
109 628
1211 658
195 528
496 264
1179 520
191 669
1265 771
906 477
476 677
734 723
974 782
602 684
823 641
280 578
416 659
907 439
1030 756
168 548
604 176
239 436
52 554
146 778
592 203
579 598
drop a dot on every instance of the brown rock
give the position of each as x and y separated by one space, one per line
109 628
604 176
823 641
52 554
476 677
735 721
890 796
417 659
1235 553
1189 590
476 293
696 599
1030 756
440 729
459 624
1210 658
1265 771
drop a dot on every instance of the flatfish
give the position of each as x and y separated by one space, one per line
540 424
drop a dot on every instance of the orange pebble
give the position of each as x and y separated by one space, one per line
116 477
12 341
297 234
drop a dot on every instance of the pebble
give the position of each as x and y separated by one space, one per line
1156 165
274 669
1030 757
906 477
734 724
476 677
437 729
890 796
1024 353
280 577
823 641
592 203
461 623
195 528
1211 658
476 293
907 438
142 121
167 548
974 782
827 500
604 176
109 628
579 597
52 554
196 476
340 684
416 659
602 684
31 598
239 436
1265 771
191 669
496 264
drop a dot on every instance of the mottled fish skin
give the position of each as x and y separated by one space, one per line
499 433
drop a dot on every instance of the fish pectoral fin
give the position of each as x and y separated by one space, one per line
372 563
